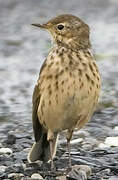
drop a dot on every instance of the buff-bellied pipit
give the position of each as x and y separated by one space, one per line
68 87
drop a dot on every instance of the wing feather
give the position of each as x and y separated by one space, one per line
37 128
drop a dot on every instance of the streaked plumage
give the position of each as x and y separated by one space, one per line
68 87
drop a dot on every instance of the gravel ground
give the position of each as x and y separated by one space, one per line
22 51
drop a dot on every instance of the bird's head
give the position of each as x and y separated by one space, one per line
68 30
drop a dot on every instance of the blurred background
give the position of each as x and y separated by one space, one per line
23 49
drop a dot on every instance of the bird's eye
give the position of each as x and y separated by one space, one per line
60 26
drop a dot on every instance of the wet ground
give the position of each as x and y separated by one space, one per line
22 51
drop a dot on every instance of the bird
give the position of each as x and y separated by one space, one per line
68 87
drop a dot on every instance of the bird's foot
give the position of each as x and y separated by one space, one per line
53 169
69 168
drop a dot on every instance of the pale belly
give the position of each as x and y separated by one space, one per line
67 108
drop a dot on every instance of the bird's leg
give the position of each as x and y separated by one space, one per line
51 156
69 158
69 136
50 138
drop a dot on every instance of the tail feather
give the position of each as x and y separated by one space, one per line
41 150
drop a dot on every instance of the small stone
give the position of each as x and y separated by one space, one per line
26 150
36 176
81 175
2 175
1 145
85 168
91 141
76 141
81 133
20 135
14 168
87 147
62 142
113 178
2 169
20 155
8 163
102 146
11 138
115 128
15 175
80 172
24 166
104 172
111 141
5 151
61 178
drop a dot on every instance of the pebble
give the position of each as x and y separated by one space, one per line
112 133
87 147
115 128
32 168
81 133
20 155
85 168
81 172
15 175
14 168
62 142
113 178
104 172
61 178
20 135
2 169
102 146
1 145
2 175
11 138
36 176
76 141
5 151
111 141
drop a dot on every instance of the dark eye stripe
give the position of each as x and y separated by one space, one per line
60 26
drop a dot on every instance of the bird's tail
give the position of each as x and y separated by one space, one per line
41 149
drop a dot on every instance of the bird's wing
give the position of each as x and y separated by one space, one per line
38 131
36 124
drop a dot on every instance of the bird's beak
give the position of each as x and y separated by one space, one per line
43 26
